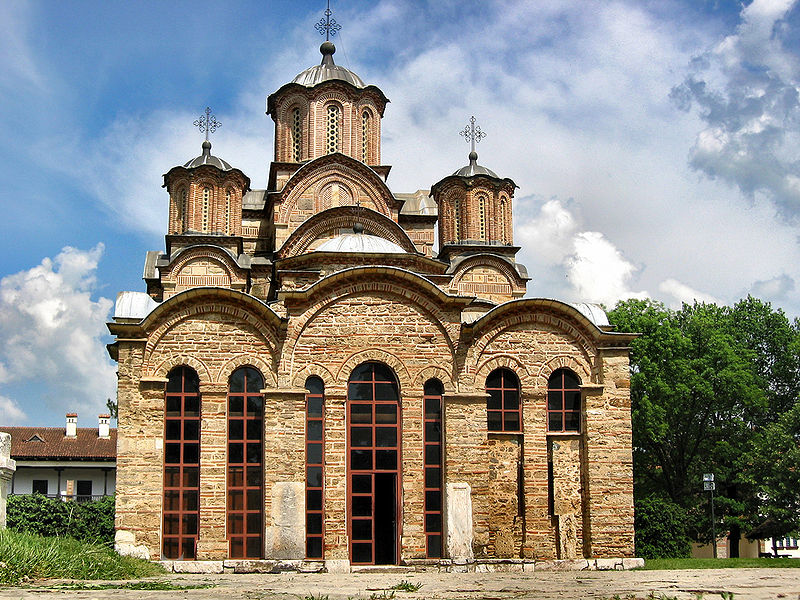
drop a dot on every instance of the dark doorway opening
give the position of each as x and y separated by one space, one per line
385 518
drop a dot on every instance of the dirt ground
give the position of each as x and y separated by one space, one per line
744 584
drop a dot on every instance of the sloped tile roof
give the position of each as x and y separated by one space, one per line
50 443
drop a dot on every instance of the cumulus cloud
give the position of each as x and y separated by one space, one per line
681 293
10 412
51 333
747 91
776 288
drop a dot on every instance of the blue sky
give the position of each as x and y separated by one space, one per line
656 145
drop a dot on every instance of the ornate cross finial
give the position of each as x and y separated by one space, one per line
472 133
327 25
207 123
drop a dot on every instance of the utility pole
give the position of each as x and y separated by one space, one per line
709 486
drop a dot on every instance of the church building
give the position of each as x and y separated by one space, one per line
329 373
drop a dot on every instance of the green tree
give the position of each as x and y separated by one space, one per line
713 389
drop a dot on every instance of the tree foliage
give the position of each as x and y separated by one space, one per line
661 529
715 389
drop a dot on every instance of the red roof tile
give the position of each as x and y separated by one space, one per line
55 445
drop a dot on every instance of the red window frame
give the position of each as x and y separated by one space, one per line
315 468
563 402
504 405
245 495
432 460
368 461
181 508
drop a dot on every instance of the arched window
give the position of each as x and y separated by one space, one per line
297 133
563 401
503 220
503 408
206 202
457 220
228 211
482 216
181 465
315 462
332 129
373 464
245 463
180 210
364 135
432 417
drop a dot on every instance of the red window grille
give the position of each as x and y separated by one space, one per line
503 408
181 509
563 402
315 462
245 463
373 460
432 417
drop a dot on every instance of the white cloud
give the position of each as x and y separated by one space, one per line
10 412
682 293
51 332
598 271
747 91
773 289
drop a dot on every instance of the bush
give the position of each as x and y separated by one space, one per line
40 515
661 529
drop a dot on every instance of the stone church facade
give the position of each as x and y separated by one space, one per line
307 378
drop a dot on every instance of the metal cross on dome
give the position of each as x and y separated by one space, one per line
207 123
472 133
327 25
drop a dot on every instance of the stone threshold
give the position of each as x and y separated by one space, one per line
499 565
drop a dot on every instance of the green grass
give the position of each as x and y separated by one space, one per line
25 556
661 564
407 586
132 585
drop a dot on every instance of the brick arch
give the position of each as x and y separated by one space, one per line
331 95
434 372
526 379
296 100
375 355
180 360
313 369
324 184
583 371
248 360
338 165
340 218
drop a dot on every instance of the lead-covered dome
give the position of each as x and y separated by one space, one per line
473 168
360 242
206 158
327 70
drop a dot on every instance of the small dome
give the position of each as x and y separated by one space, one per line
206 158
327 70
360 242
473 168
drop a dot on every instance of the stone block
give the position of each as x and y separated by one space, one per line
285 538
459 522
197 566
632 563
337 566
608 564
125 545
563 565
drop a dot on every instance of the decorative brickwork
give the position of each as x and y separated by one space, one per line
413 361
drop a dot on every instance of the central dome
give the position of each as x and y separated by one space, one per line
360 242
327 70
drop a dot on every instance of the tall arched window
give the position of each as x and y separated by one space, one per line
482 217
297 133
503 408
364 135
432 418
228 211
206 202
457 220
373 462
180 210
503 220
315 463
332 129
181 465
245 463
563 401
184 203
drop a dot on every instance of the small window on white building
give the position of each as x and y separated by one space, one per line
39 486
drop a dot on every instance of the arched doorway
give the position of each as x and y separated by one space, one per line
373 464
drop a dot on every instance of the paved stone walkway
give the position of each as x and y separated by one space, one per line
745 584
